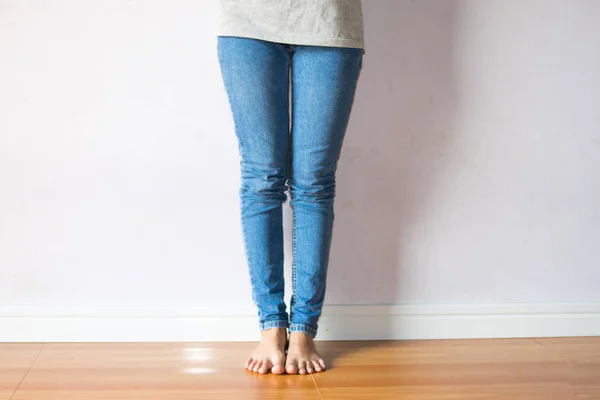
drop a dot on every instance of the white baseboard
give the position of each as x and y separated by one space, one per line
338 323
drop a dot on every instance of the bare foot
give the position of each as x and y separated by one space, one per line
270 353
302 357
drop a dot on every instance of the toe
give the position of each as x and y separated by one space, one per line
248 362
265 367
322 363
277 369
257 366
309 367
302 368
251 365
292 368
317 366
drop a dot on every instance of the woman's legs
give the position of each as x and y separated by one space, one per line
256 76
323 85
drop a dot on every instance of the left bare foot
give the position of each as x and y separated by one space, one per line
302 358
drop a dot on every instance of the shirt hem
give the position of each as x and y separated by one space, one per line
297 39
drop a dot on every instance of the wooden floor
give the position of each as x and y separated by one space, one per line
532 369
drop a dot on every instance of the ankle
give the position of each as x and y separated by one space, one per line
300 338
278 334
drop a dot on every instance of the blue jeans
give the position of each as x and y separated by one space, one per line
276 156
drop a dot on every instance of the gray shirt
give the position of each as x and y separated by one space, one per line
335 23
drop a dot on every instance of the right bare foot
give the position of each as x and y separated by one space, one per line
270 353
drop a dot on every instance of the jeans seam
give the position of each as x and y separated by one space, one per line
293 298
290 181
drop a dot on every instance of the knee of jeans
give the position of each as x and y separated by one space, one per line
319 190
267 185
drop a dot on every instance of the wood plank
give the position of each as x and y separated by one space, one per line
15 360
158 378
5 394
436 352
575 350
459 392
259 394
444 374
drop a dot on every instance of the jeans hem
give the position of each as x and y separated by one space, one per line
274 324
303 328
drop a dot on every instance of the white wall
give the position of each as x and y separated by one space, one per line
470 174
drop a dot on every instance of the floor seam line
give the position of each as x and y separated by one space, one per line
27 372
316 386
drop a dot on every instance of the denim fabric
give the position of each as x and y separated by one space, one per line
277 156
